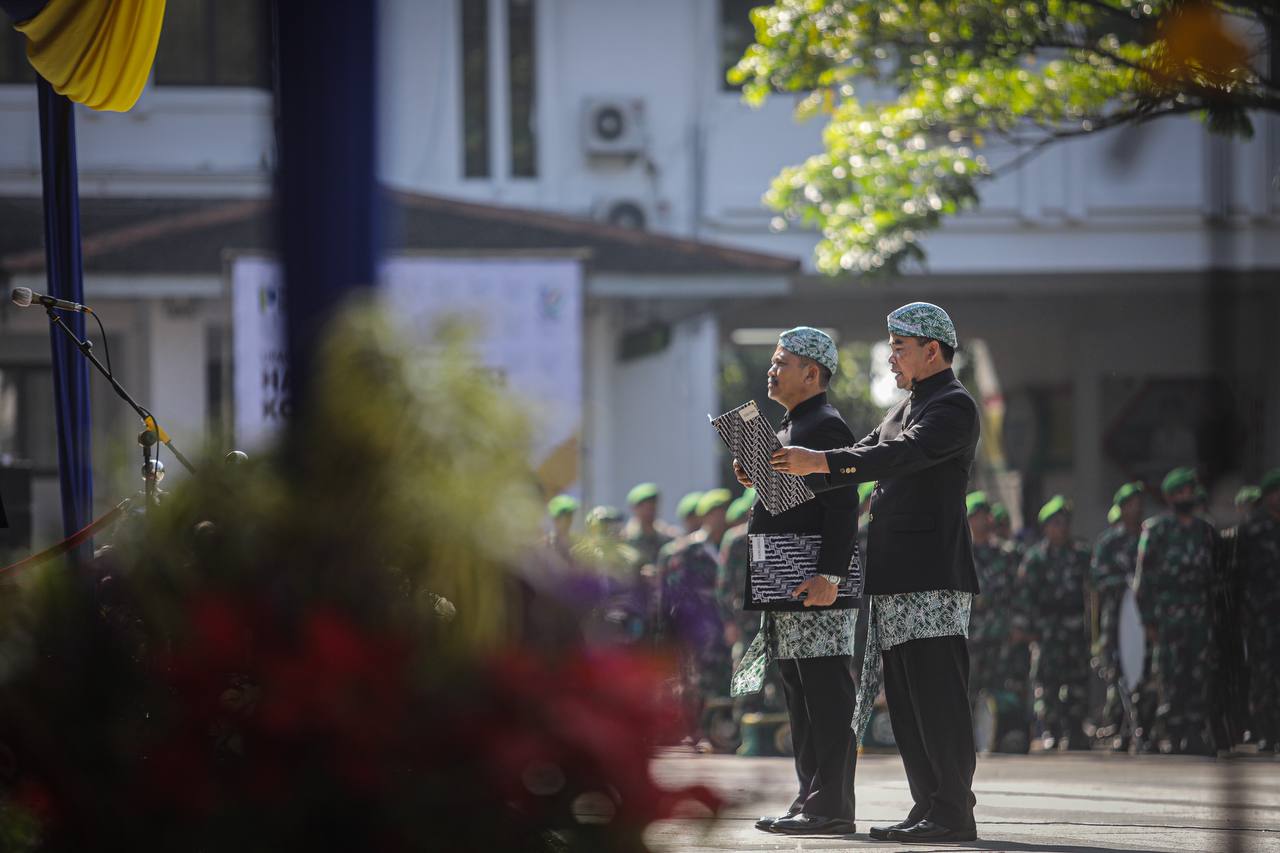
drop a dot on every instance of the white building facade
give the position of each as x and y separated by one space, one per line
1100 268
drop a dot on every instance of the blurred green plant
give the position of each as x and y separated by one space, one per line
915 90
324 649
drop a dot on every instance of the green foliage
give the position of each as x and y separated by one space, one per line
915 90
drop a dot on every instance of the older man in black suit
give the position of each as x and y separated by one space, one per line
811 637
920 570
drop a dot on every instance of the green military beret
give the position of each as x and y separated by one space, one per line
923 320
641 493
975 501
865 490
562 505
1177 478
1056 504
999 511
1248 495
811 343
1270 481
738 509
604 515
688 505
1127 491
714 499
1113 514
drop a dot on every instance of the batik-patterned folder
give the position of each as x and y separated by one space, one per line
752 441
780 562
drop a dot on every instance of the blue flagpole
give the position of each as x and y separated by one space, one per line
64 270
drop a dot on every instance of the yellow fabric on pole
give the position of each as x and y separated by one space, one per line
96 52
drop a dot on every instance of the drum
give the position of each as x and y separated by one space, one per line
1000 722
1132 640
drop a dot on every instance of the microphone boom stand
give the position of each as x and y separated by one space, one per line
153 429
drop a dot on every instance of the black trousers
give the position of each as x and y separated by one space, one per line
926 685
820 695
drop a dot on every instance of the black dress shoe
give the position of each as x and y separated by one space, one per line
927 830
765 824
881 833
806 824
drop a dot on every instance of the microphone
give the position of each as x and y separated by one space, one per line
23 297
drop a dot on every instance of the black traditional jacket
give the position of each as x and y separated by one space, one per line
920 457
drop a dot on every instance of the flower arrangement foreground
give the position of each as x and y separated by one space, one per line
344 644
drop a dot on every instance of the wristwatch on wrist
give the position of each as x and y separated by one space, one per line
833 579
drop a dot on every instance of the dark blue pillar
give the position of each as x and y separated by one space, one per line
327 197
62 262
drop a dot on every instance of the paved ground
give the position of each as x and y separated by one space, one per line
1092 802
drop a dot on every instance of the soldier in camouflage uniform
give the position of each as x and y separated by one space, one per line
621 612
1115 557
741 626
647 534
731 583
1004 529
1174 583
1259 556
1247 500
998 655
561 509
1054 578
689 614
687 512
645 531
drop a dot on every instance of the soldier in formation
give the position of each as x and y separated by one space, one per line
1054 578
1173 581
1259 567
689 614
998 656
1115 558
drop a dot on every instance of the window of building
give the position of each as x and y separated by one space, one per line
475 88
736 35
521 73
499 91
14 67
215 43
26 417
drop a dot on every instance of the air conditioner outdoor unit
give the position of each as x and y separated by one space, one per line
622 213
612 126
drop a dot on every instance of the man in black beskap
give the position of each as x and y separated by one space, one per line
811 636
920 572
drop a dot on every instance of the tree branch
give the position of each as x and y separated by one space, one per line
1135 116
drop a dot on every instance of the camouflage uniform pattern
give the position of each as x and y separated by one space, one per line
690 617
648 547
1054 583
1115 558
995 661
731 584
1174 583
1259 561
